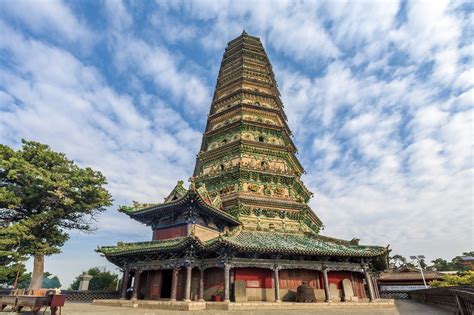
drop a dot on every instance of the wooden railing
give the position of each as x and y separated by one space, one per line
459 299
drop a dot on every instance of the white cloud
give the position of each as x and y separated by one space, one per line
52 17
172 29
155 62
79 114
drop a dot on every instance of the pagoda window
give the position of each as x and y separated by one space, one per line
222 167
224 141
261 139
257 103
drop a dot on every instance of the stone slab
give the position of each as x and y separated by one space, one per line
348 291
334 293
240 291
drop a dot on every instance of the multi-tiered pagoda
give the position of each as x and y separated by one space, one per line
243 229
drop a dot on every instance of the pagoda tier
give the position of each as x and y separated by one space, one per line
247 155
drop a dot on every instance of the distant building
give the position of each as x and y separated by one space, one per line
405 279
468 261
243 230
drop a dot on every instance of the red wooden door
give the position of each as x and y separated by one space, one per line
155 285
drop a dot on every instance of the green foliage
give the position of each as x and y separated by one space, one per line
462 278
397 261
439 264
8 271
456 264
49 281
42 196
101 280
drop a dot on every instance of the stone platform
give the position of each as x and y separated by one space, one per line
233 306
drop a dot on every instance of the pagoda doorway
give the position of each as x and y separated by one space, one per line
166 284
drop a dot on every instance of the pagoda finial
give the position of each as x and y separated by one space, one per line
244 32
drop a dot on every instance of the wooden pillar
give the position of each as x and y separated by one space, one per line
187 295
174 283
125 278
368 279
376 288
277 284
201 284
136 284
326 285
226 283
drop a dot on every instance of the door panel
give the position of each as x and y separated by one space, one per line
155 285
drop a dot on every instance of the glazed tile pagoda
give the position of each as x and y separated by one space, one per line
243 229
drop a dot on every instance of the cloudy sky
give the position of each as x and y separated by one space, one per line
379 96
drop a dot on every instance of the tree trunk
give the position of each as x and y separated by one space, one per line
38 271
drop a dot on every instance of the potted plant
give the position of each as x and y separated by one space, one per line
217 296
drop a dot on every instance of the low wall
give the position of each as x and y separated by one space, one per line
397 295
89 296
459 299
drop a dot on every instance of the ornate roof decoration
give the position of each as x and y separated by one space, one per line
180 198
254 242
178 192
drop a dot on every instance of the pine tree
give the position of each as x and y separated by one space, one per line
43 195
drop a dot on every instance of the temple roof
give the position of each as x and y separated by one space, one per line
256 241
273 242
140 247
179 198
404 276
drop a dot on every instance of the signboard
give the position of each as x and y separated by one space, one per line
386 288
253 284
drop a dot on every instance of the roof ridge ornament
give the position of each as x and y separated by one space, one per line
192 183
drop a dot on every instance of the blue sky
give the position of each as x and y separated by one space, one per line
379 96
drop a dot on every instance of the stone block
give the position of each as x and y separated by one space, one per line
347 291
240 291
334 293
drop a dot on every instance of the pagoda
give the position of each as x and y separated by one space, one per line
243 229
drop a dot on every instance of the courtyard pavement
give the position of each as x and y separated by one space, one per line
403 307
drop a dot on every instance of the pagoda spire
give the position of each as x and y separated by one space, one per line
247 155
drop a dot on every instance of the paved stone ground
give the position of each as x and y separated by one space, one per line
402 307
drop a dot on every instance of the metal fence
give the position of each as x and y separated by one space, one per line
459 299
